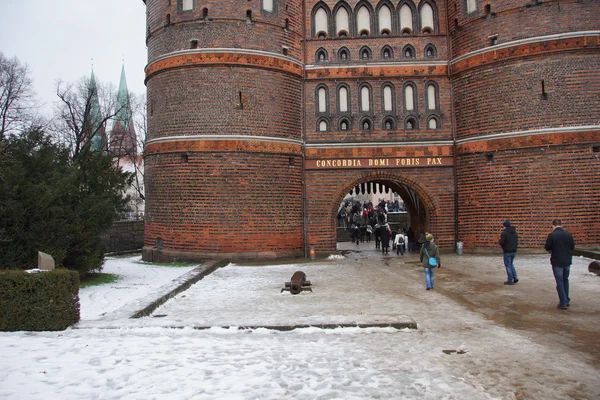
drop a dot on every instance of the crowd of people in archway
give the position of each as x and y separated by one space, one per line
364 220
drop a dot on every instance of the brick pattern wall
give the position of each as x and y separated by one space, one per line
205 101
507 96
531 187
226 26
514 20
224 202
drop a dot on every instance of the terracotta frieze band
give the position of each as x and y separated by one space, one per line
225 58
211 144
588 41
541 138
376 71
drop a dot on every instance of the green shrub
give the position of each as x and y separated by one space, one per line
48 301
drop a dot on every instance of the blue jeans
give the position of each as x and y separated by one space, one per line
400 249
561 275
429 277
509 259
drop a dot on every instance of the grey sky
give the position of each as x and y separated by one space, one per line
59 39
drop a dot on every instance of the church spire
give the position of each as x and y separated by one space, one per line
123 138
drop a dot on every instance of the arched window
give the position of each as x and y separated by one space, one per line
363 21
321 23
432 97
343 104
343 54
366 124
323 126
388 97
389 124
187 5
344 124
408 51
387 53
321 55
430 51
433 123
427 23
322 99
385 20
268 5
342 24
406 20
365 53
409 97
365 99
471 5
410 123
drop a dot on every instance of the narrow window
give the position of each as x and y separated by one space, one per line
406 20
343 99
204 13
366 125
409 52
427 25
249 16
321 26
385 20
410 123
268 5
342 24
388 125
430 51
433 123
344 55
431 97
322 100
409 99
386 53
387 98
365 97
322 55
193 44
187 5
168 20
364 54
363 21
323 126
344 126
471 5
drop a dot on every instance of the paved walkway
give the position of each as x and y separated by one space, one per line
529 307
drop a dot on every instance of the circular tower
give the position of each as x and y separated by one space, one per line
223 157
526 88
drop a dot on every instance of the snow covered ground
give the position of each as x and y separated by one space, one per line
454 354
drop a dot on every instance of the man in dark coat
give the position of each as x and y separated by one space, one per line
560 244
385 238
509 241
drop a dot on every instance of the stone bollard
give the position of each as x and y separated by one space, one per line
594 267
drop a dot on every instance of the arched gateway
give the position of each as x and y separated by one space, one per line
263 114
426 185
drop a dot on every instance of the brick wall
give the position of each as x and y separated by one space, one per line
124 236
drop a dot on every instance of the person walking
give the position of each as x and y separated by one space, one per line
509 241
385 238
400 242
560 244
410 234
429 250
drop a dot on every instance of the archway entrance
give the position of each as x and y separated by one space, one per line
372 201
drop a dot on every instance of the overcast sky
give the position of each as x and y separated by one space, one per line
63 39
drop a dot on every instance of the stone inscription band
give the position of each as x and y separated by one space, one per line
385 162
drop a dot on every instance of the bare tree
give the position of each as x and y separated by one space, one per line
82 114
17 97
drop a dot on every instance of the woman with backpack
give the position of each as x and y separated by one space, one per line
430 257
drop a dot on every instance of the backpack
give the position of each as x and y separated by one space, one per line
401 239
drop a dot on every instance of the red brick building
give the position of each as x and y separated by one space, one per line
263 115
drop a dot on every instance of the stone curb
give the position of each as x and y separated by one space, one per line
182 283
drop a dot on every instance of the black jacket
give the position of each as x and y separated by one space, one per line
509 240
561 244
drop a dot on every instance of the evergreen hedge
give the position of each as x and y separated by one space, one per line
47 301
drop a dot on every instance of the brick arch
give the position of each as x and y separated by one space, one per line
395 180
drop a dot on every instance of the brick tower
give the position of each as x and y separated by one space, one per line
526 83
223 158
